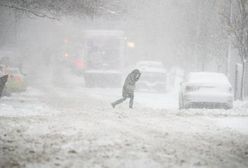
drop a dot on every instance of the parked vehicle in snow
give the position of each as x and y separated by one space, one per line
16 81
103 52
153 78
206 89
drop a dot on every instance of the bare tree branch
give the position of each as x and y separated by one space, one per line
36 13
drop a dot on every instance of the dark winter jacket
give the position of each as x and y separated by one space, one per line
129 85
3 80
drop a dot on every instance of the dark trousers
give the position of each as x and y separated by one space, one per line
119 101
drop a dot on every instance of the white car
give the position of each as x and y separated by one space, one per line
153 76
206 89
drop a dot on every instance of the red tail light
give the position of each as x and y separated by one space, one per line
18 78
79 63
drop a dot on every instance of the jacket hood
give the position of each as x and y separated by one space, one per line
135 74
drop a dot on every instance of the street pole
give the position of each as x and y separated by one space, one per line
229 45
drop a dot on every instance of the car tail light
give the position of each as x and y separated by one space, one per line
192 88
18 78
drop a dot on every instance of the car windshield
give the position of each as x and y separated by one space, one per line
13 71
153 77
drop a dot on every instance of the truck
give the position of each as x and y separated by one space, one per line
103 56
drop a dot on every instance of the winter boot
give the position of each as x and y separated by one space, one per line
113 105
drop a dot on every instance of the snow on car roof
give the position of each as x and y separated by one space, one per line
151 66
207 77
149 69
147 63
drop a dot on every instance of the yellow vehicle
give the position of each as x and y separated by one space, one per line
16 81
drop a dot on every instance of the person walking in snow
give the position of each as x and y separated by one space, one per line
3 81
128 88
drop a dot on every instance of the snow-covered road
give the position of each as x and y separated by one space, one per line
56 127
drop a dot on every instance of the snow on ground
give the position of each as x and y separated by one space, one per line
84 131
234 123
164 101
24 104
145 99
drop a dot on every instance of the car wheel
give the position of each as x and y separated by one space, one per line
228 106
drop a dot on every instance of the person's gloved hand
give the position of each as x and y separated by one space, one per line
138 76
